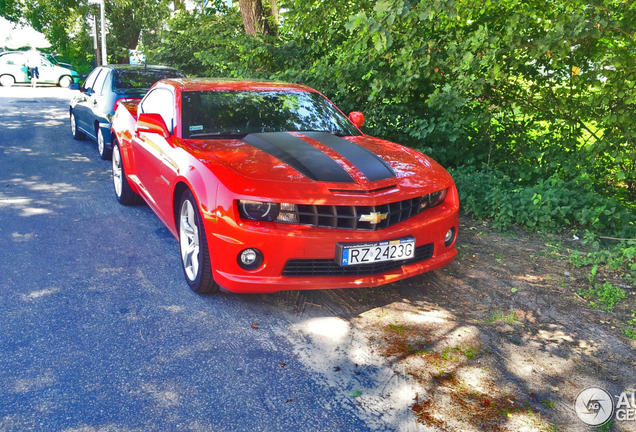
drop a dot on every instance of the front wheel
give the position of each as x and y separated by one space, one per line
77 134
104 152
7 80
65 81
125 195
195 257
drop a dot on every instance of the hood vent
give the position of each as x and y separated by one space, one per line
358 192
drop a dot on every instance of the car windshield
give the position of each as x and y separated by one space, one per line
50 58
141 78
220 113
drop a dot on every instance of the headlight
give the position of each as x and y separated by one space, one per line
260 211
436 198
433 199
266 211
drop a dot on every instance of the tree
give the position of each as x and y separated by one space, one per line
259 17
130 20
65 24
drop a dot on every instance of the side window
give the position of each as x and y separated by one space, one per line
108 83
14 59
90 81
160 101
99 82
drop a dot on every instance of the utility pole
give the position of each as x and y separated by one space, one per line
103 19
95 44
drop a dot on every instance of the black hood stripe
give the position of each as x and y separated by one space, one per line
371 165
300 155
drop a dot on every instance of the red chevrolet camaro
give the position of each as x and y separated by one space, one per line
268 186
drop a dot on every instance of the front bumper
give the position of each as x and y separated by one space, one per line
280 243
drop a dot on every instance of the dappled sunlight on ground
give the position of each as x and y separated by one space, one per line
23 205
347 362
40 293
36 184
73 157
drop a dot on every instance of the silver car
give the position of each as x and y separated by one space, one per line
92 109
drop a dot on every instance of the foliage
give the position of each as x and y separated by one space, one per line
606 295
630 330
66 25
128 20
619 257
547 205
212 42
61 21
532 89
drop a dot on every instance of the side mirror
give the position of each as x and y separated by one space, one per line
357 118
73 86
152 123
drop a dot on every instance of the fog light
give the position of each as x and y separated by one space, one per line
450 236
250 259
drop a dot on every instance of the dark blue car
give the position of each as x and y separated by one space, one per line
92 110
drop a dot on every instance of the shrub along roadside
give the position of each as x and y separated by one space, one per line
550 205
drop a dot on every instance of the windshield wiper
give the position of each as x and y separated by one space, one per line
219 134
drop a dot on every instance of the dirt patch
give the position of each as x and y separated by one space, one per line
501 341
497 341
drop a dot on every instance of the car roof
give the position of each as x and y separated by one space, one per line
139 67
229 84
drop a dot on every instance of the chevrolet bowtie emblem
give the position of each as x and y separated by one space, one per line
373 218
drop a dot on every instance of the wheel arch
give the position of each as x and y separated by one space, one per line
204 194
179 189
9 75
59 81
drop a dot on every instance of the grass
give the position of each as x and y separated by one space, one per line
449 353
630 331
501 316
398 328
548 403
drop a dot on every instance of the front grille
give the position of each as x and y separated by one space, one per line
328 267
348 217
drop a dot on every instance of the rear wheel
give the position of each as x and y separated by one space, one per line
65 81
195 257
125 195
77 134
104 152
7 80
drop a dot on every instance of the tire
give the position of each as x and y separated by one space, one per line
7 80
65 81
102 148
193 247
125 195
77 134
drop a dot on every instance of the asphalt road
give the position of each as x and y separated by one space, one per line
99 331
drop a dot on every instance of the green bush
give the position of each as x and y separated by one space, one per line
549 205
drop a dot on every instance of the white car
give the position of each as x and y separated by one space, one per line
13 69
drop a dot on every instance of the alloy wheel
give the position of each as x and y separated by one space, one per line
117 171
189 240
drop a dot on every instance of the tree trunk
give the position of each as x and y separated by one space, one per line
178 5
258 19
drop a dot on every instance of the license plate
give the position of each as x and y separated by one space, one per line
348 254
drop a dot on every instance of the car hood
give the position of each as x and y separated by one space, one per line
355 163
